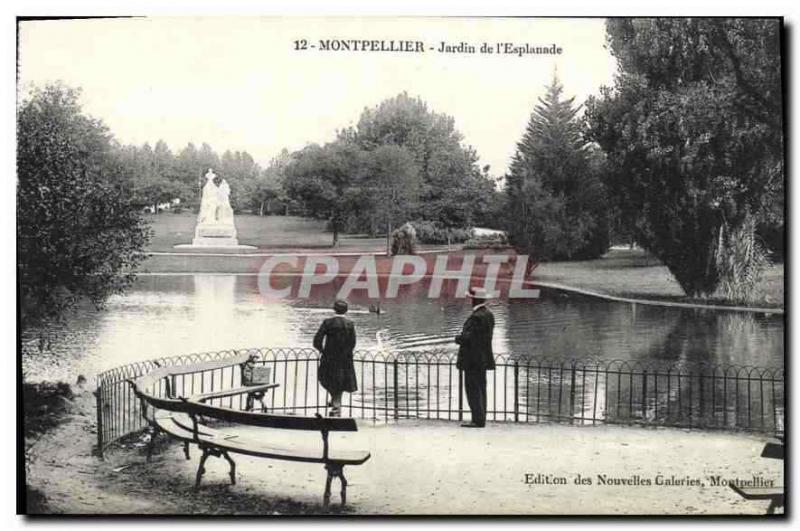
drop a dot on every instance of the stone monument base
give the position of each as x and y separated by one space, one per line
216 236
229 244
215 230
215 242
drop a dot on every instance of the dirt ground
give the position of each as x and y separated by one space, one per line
416 468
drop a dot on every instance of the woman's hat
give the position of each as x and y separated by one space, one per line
340 306
478 293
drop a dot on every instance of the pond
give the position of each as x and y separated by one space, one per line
167 315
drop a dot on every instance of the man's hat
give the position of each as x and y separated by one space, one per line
478 293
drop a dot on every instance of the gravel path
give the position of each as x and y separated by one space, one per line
418 468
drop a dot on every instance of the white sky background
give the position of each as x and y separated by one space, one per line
238 84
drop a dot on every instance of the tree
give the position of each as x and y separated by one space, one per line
325 179
78 233
692 131
190 170
240 170
269 186
388 185
452 188
152 191
556 206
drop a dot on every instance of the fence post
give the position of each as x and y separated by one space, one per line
644 394
460 395
516 391
99 405
702 401
396 401
572 393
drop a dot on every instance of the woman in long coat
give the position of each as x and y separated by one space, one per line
336 339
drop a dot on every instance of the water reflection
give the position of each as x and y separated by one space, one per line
170 315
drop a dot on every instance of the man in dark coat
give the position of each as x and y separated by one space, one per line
475 355
335 340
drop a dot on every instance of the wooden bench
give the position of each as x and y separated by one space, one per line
256 384
775 495
184 419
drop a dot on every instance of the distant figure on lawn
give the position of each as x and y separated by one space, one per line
336 339
475 355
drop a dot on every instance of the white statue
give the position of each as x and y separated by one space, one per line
209 200
215 226
224 210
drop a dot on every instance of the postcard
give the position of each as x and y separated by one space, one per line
358 266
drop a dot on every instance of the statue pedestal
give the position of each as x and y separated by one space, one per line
216 236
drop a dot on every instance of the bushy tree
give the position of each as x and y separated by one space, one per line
692 131
78 232
556 202
452 189
388 185
266 190
241 172
325 180
404 240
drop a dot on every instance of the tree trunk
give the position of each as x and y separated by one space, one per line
388 235
261 210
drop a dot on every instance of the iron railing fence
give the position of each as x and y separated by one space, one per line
427 385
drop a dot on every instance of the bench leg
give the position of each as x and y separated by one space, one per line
186 450
774 503
152 443
201 467
338 472
233 467
249 404
326 498
251 401
344 486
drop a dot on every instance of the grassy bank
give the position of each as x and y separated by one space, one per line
636 274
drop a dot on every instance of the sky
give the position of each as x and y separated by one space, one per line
239 83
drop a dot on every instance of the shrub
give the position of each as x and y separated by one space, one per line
44 405
404 240
487 241
434 232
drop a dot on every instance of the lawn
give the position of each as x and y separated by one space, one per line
264 232
636 274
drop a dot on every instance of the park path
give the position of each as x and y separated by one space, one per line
430 467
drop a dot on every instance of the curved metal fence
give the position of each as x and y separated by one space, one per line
427 385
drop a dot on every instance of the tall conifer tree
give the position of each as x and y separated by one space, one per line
555 199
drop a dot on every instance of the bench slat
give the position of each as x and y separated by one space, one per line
153 377
150 379
233 392
181 427
757 493
772 450
266 420
167 404
222 363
